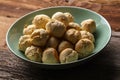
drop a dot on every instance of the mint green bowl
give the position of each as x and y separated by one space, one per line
102 34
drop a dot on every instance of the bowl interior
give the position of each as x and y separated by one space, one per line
102 34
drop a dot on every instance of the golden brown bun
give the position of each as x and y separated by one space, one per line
63 45
39 37
40 20
72 35
34 53
68 55
50 56
24 42
52 42
55 28
69 16
60 17
84 47
88 35
29 29
74 26
89 25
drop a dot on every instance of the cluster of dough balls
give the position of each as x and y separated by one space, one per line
57 39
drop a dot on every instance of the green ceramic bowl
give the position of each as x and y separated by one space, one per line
102 34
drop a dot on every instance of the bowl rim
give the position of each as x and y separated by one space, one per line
73 62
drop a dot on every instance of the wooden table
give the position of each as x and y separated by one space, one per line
105 66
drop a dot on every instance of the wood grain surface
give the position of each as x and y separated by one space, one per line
105 66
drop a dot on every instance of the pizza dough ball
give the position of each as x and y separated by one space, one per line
39 37
63 45
84 47
52 42
56 28
68 55
88 35
72 35
24 42
40 20
60 17
74 26
34 53
89 25
50 56
69 16
29 29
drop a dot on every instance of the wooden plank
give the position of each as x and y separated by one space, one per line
5 23
104 66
